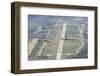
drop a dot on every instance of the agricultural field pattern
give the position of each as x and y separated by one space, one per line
57 37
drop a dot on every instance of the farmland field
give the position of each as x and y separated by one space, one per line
71 48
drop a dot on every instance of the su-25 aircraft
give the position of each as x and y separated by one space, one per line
68 39
45 40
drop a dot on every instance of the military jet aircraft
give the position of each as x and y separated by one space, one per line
68 39
45 40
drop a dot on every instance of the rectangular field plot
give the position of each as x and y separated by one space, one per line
74 43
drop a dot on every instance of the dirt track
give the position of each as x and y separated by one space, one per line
32 44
